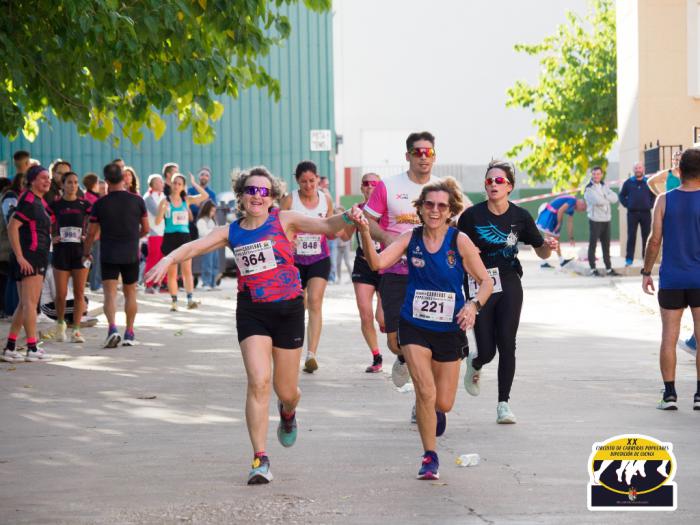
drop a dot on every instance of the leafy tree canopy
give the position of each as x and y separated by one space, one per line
575 100
107 63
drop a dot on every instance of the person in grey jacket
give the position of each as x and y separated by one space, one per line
599 197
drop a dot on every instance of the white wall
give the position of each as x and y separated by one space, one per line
444 66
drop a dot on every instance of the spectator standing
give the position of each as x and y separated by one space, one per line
152 200
599 197
343 254
209 261
22 160
8 203
676 227
5 250
666 180
92 195
58 169
636 196
120 219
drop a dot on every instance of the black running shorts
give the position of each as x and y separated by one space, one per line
129 272
320 269
679 299
362 273
392 289
172 241
282 321
67 256
445 346
39 264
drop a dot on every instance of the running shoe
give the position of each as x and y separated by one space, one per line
429 466
414 419
470 385
113 340
690 345
287 429
628 262
60 332
546 265
173 306
310 365
595 273
399 373
37 354
50 334
150 290
696 402
565 262
669 402
441 423
191 305
376 365
76 337
504 416
12 356
612 273
260 471
129 339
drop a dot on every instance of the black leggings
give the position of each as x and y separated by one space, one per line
496 327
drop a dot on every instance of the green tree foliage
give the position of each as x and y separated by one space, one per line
124 63
574 102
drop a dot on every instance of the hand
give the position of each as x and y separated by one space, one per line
25 266
56 239
552 243
159 271
193 181
648 285
467 316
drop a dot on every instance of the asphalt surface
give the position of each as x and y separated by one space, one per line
156 433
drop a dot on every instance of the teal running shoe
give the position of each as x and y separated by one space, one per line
287 429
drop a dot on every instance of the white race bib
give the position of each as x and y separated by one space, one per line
255 258
434 306
180 217
308 244
71 234
495 277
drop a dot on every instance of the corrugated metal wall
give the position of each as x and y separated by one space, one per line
254 129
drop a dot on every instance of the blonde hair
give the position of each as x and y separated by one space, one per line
450 186
239 183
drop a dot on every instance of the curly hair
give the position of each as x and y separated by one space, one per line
450 186
239 184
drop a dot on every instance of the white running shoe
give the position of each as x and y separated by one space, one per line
399 373
76 337
12 356
37 355
173 306
504 416
471 378
60 332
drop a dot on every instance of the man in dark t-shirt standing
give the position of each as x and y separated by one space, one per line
120 219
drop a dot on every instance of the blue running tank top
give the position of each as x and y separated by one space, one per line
265 261
435 292
177 219
680 263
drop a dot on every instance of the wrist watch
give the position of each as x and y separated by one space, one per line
477 304
644 273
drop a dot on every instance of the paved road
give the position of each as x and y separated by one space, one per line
155 433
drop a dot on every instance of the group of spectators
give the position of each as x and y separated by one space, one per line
71 204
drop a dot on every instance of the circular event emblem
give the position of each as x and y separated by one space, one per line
632 472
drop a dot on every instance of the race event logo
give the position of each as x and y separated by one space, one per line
632 472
